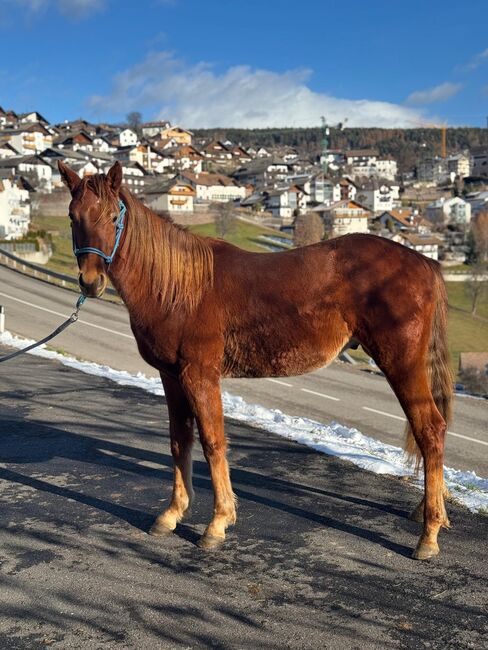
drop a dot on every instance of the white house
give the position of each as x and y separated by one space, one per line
28 139
175 195
150 129
344 217
385 168
7 150
34 167
101 143
284 202
134 176
214 187
377 196
14 209
426 244
459 164
127 137
449 211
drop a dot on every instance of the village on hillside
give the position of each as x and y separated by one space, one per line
173 172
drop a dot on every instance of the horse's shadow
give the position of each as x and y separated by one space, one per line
27 442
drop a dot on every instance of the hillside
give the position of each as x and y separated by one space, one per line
405 145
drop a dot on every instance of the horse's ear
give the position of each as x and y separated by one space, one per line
114 176
69 177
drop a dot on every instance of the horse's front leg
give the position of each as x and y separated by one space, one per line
203 390
181 425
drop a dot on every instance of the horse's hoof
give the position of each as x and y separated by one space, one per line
158 529
425 551
210 542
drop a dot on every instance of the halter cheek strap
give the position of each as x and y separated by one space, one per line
119 227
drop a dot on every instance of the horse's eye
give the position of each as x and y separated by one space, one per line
114 218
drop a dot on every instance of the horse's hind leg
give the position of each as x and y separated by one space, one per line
181 433
412 387
417 513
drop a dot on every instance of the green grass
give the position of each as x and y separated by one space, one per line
246 235
62 259
466 333
459 299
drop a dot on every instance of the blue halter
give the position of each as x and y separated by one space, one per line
119 227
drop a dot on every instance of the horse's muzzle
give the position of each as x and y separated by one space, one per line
93 288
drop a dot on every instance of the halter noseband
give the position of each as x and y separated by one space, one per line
119 227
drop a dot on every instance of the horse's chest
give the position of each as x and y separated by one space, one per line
156 350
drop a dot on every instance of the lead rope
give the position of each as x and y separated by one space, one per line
72 319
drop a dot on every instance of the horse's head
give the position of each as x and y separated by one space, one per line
94 213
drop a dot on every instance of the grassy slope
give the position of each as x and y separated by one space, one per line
466 334
62 259
246 234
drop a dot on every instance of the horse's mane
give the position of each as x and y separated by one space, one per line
171 263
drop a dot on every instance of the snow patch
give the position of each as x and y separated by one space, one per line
334 439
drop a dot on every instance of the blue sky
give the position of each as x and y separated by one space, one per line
252 63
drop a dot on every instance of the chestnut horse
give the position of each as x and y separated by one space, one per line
201 309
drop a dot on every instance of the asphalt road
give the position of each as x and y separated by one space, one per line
339 392
319 557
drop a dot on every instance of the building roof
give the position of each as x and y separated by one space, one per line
477 360
14 161
417 239
208 179
404 215
361 153
346 204
163 187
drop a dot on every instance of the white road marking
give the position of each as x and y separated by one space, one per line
388 415
57 313
313 392
278 381
460 435
451 433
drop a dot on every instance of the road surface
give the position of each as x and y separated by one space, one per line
319 557
339 392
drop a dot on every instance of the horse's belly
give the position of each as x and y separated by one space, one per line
261 361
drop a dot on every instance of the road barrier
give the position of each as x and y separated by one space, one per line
11 261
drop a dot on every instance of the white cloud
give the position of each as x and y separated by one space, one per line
197 96
475 62
436 94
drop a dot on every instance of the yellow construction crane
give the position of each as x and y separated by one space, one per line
443 129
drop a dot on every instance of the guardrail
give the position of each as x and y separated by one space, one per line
34 270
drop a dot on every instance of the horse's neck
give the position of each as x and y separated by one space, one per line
126 278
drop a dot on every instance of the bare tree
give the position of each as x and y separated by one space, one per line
134 121
480 232
309 229
476 285
225 219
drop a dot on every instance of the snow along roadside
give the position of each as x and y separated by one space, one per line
333 439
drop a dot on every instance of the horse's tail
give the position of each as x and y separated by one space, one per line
439 367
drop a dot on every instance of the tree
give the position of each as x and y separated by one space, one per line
225 219
476 285
134 121
480 234
309 229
